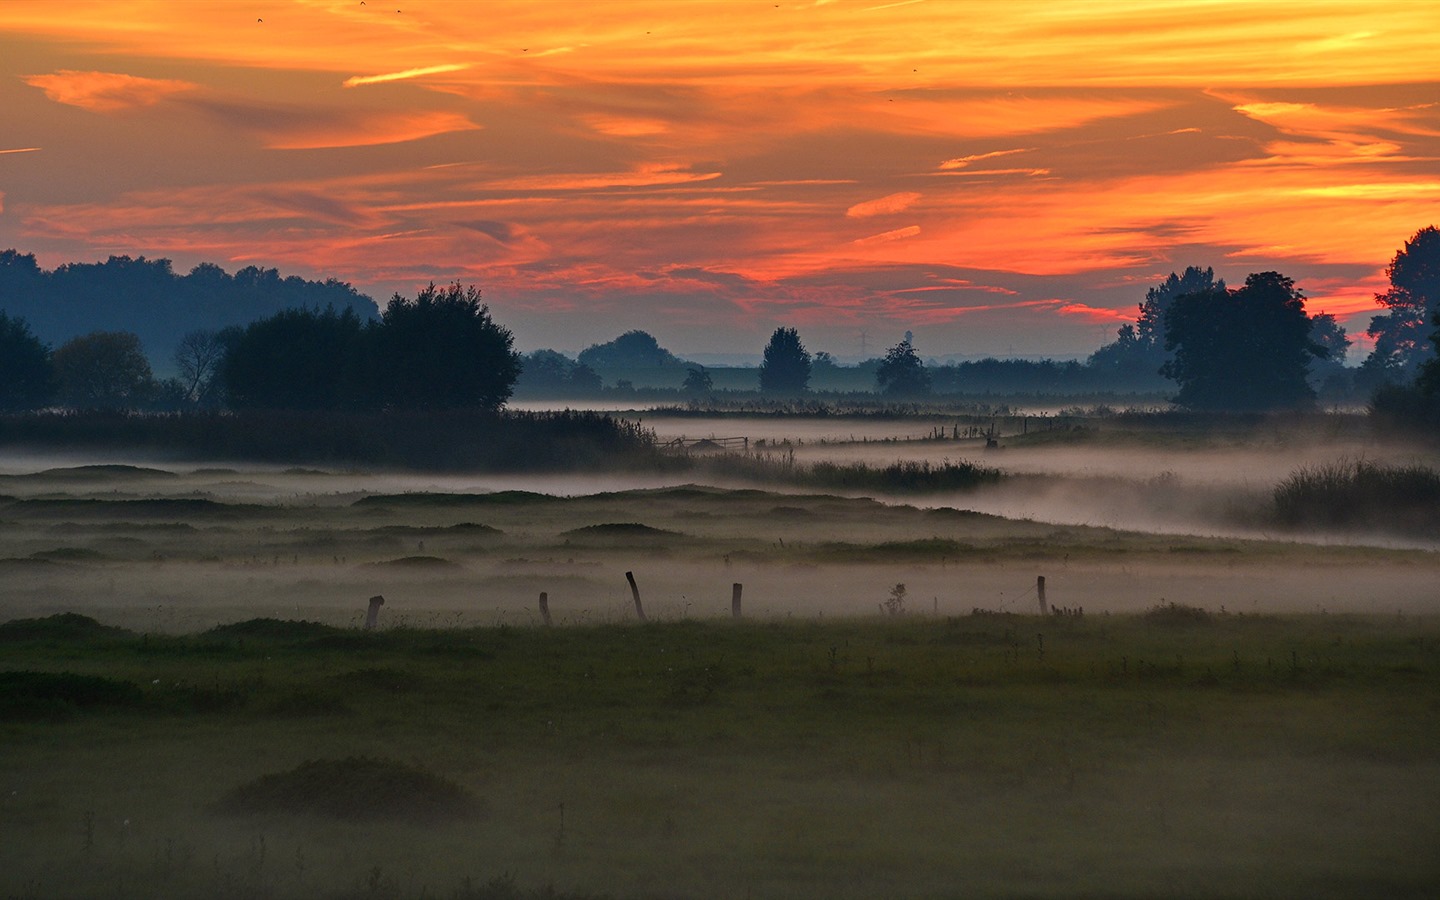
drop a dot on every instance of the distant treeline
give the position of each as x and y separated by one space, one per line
147 298
318 345
435 440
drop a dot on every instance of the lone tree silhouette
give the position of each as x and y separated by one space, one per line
901 373
698 381
443 351
103 370
1244 349
786 367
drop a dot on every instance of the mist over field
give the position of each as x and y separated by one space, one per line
1116 526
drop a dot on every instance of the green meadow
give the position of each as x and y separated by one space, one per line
191 706
1170 753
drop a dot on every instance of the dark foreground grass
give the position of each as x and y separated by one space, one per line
1179 753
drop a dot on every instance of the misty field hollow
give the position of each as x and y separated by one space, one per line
192 704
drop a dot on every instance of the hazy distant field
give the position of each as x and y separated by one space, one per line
1281 742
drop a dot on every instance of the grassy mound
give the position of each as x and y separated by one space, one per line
70 554
418 562
85 473
273 630
59 627
620 530
354 788
432 499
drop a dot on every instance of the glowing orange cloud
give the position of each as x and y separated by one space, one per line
21 150
106 91
1093 313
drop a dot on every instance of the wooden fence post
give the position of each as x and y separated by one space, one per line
545 608
735 600
1040 591
373 613
635 592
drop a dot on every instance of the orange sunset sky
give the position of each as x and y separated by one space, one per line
999 177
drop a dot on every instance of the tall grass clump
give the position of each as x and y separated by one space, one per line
1360 493
905 477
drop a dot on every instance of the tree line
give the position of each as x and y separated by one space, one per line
1248 348
146 297
440 350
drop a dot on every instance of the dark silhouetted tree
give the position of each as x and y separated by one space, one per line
902 373
197 358
1328 374
698 381
631 350
103 370
442 350
1245 349
1139 349
786 366
25 374
585 380
1401 335
1416 406
300 359
551 373
544 371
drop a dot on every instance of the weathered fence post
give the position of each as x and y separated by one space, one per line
545 608
373 613
1040 591
735 600
635 592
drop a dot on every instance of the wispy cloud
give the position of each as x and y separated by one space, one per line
887 236
368 130
21 150
883 206
358 80
961 162
106 91
647 175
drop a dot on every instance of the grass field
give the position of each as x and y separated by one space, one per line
1171 753
189 707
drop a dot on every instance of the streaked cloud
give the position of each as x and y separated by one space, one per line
961 162
22 150
646 175
367 130
358 80
106 91
884 206
887 236
1094 313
